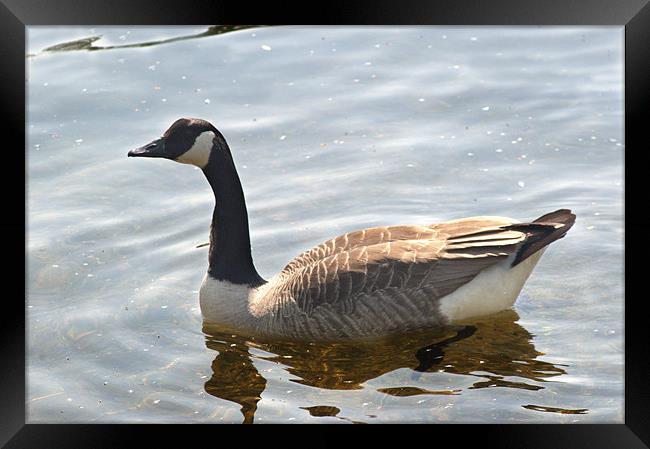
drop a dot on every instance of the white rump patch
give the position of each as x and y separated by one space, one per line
494 289
199 154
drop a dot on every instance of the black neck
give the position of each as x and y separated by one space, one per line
230 246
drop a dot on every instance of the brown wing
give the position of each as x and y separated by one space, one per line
363 238
439 258
402 257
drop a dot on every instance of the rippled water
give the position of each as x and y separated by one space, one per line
332 129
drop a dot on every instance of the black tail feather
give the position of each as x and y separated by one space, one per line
542 232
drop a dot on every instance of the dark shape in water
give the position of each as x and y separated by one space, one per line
87 43
415 391
497 381
328 410
322 410
235 378
80 44
565 411
432 355
492 348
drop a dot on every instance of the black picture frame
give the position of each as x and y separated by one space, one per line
634 15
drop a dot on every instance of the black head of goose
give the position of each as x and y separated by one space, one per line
363 284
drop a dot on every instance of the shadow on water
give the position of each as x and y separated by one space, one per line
490 349
88 42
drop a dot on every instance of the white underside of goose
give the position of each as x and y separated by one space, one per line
494 289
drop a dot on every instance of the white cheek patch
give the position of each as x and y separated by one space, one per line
199 154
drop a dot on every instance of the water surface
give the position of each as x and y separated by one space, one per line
332 129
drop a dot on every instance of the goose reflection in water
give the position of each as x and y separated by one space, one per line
490 349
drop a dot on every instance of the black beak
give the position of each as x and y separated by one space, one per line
153 149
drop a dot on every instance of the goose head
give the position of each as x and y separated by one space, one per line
188 141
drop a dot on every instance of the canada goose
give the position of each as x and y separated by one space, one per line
362 284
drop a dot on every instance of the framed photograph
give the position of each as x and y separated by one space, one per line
378 216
